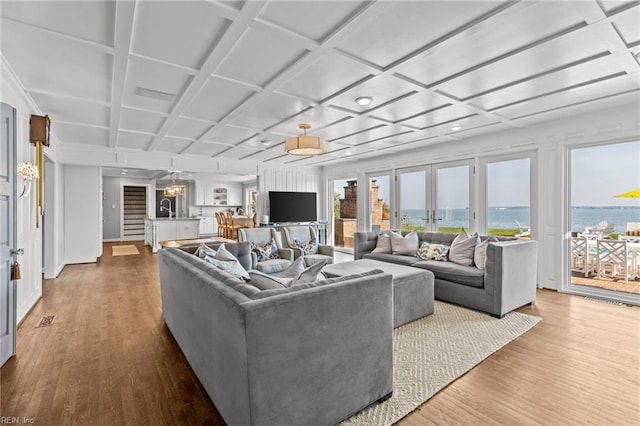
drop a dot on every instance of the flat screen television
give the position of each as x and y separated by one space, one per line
292 206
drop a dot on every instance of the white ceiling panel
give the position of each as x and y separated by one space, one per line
172 32
153 76
72 110
316 117
258 57
229 135
441 115
83 135
541 59
381 89
326 76
208 149
410 106
571 77
131 140
512 29
270 111
91 20
142 121
55 64
217 98
188 128
583 94
174 145
412 26
231 74
312 19
629 26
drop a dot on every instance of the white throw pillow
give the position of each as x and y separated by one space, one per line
204 251
228 262
463 248
310 274
407 245
383 245
480 252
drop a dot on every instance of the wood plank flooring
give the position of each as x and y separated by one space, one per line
108 358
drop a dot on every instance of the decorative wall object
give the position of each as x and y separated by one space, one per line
39 132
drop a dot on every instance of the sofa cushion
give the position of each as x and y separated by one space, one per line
448 271
263 281
480 252
309 274
227 262
392 258
430 251
463 247
405 245
204 250
383 244
273 266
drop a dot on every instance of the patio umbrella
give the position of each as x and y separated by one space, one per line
631 194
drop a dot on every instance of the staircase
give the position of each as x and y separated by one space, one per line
135 210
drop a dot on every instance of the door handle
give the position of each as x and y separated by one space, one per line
16 252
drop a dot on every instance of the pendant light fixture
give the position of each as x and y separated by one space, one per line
173 189
303 144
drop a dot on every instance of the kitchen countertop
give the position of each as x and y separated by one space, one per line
166 219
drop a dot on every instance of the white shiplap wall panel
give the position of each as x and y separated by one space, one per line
288 180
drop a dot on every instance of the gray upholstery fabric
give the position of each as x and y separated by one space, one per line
262 236
263 281
240 251
315 354
449 271
404 244
412 288
510 275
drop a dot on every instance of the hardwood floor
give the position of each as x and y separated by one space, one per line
108 358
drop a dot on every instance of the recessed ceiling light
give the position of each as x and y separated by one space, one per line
347 153
123 172
265 142
364 100
456 127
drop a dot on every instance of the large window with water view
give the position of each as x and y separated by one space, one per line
604 217
509 198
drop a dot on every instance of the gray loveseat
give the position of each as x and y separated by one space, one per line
315 353
508 281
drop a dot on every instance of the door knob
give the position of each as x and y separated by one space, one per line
18 252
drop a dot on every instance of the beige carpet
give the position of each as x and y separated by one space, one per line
124 250
434 351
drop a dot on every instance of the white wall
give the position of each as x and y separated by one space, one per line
83 213
548 141
303 180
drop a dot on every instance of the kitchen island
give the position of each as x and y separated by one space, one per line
165 229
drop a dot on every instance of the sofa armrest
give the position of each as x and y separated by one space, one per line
326 250
511 274
254 260
363 243
286 253
320 354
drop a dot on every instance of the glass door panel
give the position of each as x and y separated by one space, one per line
509 198
451 198
379 202
413 208
345 211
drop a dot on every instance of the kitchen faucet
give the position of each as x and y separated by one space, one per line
163 208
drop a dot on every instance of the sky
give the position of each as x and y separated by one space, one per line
597 175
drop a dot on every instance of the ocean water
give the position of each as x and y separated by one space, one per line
506 217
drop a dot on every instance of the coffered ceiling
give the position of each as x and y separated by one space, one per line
233 79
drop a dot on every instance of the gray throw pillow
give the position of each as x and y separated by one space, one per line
295 269
383 245
480 252
309 274
228 262
264 281
463 248
407 245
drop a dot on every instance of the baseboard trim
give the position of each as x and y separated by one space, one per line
19 324
111 240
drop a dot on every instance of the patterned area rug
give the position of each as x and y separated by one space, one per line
432 352
124 250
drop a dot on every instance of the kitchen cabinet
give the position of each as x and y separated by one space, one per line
159 230
219 194
206 226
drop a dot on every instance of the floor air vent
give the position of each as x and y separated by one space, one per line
45 321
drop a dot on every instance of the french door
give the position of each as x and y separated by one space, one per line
436 197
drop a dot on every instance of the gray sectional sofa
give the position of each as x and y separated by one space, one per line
314 353
507 282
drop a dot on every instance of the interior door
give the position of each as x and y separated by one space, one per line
7 233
